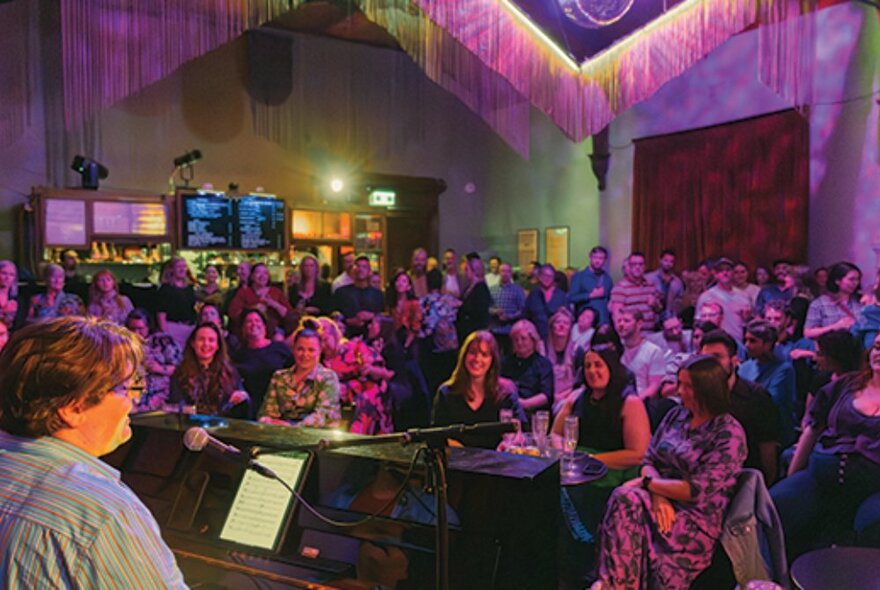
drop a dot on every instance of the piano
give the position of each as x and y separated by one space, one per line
231 528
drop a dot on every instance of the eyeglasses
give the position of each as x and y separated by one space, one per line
133 387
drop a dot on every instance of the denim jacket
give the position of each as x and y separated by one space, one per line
752 533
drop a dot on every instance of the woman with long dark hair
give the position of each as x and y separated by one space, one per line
205 380
258 357
839 308
612 417
834 478
404 307
262 295
310 295
659 529
474 392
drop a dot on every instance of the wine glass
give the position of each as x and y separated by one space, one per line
506 415
570 433
540 423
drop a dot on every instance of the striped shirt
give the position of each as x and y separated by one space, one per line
632 296
67 521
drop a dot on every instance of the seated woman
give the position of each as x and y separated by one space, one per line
561 349
162 354
612 419
473 394
660 528
407 390
528 369
836 466
49 304
205 381
211 312
258 358
260 294
105 302
305 394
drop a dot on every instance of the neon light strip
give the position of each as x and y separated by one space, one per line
517 12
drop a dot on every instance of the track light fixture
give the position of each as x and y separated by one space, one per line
90 171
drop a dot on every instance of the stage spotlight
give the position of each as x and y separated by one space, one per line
337 185
187 159
90 171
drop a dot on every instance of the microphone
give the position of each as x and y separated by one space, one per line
196 439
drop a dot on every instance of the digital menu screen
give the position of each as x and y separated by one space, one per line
121 218
259 223
207 221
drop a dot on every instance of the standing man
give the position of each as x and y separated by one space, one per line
453 283
508 304
418 272
493 277
735 303
66 518
592 286
635 293
544 300
73 281
667 283
359 302
346 277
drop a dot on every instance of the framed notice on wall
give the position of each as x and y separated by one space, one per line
526 247
556 244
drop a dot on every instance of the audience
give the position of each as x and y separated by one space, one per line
162 354
659 529
736 307
473 314
833 483
633 292
176 313
258 358
205 382
544 300
210 292
105 302
261 295
44 306
839 308
405 308
561 349
667 284
310 295
8 293
306 393
358 301
508 305
528 369
592 286
474 393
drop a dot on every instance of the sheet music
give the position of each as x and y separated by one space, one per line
260 505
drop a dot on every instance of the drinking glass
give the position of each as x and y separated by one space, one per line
540 423
506 415
570 432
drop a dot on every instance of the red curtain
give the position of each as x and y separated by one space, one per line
739 190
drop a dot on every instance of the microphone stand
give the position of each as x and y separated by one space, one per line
434 440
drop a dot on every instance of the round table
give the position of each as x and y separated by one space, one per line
838 568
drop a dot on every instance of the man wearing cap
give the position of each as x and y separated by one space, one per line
734 302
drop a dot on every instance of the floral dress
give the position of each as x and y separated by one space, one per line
312 401
370 397
163 349
633 552
439 312
41 309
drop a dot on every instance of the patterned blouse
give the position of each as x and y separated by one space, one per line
64 304
163 349
439 314
115 309
313 401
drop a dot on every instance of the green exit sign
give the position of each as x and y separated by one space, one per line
383 198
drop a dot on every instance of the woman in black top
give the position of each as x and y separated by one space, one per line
310 295
474 394
205 380
612 418
475 301
528 369
176 312
259 357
